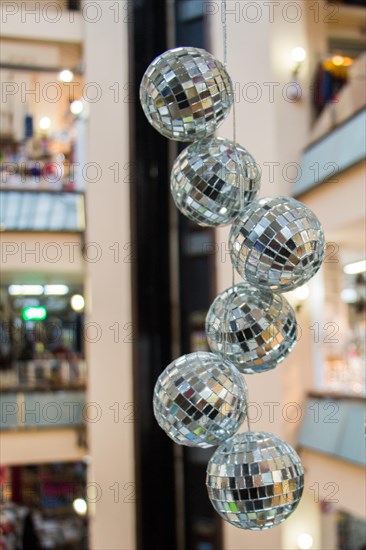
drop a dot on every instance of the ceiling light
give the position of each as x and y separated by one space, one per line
349 295
302 292
338 60
56 290
298 54
66 75
45 123
80 506
25 290
305 541
355 267
76 107
77 302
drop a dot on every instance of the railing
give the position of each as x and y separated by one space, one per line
44 375
42 211
35 409
338 150
334 426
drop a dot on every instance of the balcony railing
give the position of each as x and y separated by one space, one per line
335 152
334 426
42 211
32 409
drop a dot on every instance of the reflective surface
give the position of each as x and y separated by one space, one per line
253 328
186 94
207 179
200 400
255 480
277 243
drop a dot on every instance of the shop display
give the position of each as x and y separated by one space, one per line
37 163
200 400
186 94
255 480
207 179
253 328
277 243
37 506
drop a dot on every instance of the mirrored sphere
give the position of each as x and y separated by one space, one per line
186 94
253 328
277 243
200 400
209 177
255 480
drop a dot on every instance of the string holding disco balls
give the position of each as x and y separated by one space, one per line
186 93
252 327
277 243
200 400
208 178
255 480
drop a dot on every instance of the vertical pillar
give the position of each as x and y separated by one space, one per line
108 255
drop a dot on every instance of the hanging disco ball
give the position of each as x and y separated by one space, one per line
208 178
186 94
277 243
200 400
255 480
253 328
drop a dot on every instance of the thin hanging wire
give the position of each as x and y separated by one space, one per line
224 29
230 299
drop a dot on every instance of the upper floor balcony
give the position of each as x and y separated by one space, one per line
337 140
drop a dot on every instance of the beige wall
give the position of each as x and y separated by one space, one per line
348 481
47 22
41 257
109 291
40 446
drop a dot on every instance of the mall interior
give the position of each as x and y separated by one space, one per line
104 283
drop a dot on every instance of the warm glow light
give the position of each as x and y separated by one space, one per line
56 290
347 61
354 268
349 295
305 541
298 54
66 76
77 302
337 60
76 107
45 123
301 293
25 290
80 506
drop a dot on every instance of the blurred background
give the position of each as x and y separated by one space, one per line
104 283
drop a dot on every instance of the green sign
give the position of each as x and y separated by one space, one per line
34 313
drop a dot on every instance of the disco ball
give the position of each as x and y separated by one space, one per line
186 94
253 328
277 243
255 480
200 400
208 178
